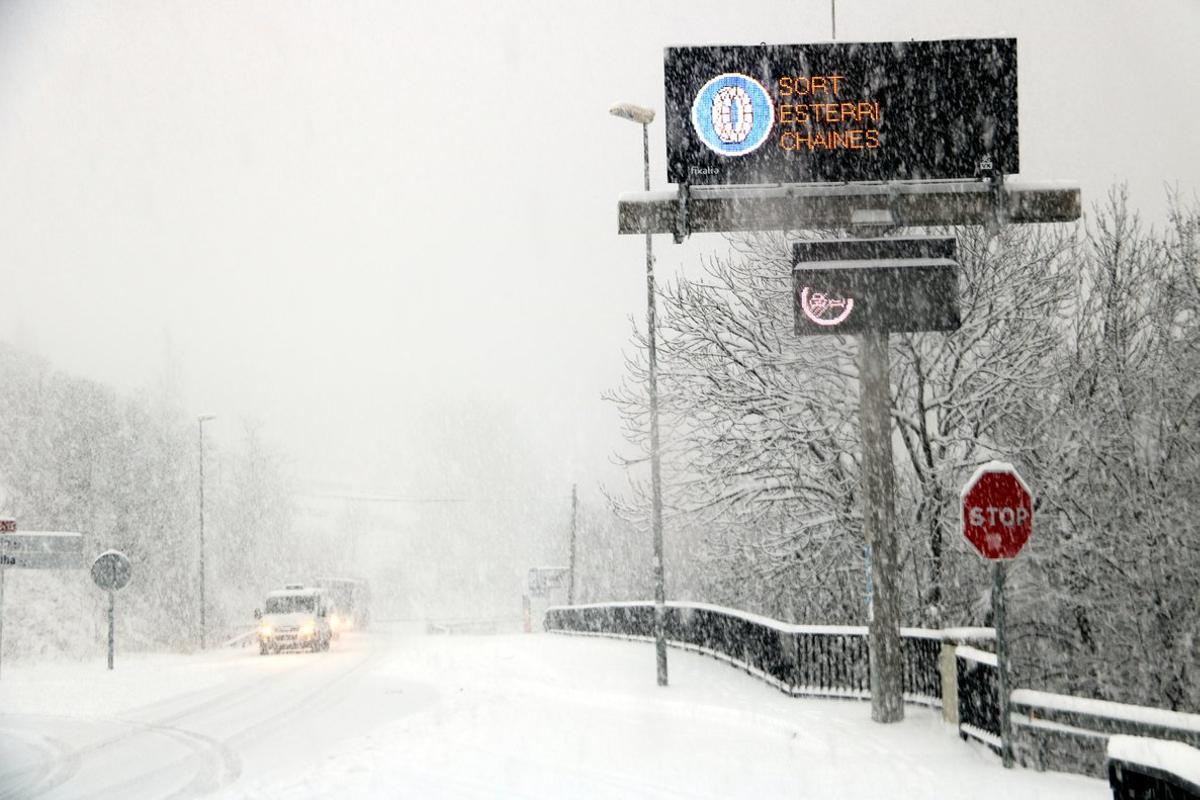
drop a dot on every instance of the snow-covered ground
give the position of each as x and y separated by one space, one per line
393 715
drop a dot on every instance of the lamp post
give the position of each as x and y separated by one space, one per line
644 116
203 418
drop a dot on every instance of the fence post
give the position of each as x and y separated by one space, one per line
948 666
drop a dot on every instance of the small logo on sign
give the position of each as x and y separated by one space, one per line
823 309
733 114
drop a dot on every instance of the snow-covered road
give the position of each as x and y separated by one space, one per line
392 715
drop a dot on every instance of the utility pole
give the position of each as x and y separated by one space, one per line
203 418
571 560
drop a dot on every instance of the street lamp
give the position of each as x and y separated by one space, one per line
643 117
203 418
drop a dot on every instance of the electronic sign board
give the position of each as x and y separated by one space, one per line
874 111
848 286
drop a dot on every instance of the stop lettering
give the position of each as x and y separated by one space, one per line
997 511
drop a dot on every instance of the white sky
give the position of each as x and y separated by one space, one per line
388 229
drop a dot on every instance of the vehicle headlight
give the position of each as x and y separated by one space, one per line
308 629
265 630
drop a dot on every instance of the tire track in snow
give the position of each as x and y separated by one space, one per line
58 766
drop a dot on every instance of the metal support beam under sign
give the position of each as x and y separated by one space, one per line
733 209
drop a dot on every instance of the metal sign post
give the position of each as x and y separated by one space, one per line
879 527
998 576
111 604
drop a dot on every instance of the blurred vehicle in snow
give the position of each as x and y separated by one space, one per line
350 602
294 618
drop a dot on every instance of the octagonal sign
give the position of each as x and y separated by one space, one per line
997 511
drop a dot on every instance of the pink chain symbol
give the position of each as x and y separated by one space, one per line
817 304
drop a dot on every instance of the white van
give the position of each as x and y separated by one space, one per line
293 618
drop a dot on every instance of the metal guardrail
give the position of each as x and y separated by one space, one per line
815 660
244 637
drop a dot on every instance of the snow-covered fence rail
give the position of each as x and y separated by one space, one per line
1055 731
239 636
978 695
822 660
1140 767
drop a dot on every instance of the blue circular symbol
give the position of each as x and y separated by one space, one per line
733 114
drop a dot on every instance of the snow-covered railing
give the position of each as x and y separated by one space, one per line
978 695
240 636
823 660
1140 767
1071 733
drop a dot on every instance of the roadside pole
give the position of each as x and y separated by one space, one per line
571 561
879 488
998 575
110 628
660 591
643 117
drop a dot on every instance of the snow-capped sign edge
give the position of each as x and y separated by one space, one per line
994 466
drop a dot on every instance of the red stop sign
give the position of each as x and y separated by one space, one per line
997 511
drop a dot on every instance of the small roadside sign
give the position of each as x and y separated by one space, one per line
111 570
